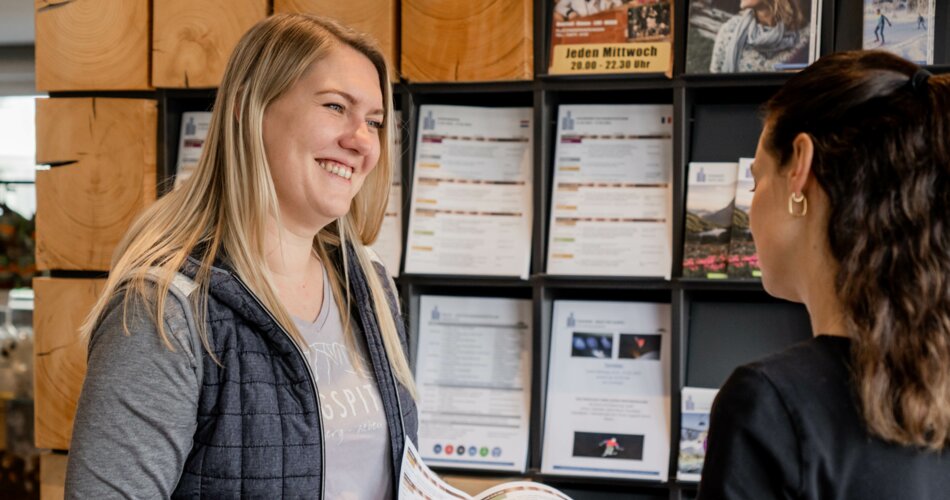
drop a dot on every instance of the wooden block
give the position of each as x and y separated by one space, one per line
474 485
107 151
92 44
60 307
378 18
52 476
454 41
192 41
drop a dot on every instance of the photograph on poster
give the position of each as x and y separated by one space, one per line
614 446
905 28
639 346
592 345
741 36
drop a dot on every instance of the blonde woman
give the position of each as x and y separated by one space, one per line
247 344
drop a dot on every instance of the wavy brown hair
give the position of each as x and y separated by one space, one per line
882 154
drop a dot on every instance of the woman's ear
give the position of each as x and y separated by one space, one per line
799 168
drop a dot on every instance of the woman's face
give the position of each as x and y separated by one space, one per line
749 4
769 221
322 138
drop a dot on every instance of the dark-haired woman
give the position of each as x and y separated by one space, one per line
851 217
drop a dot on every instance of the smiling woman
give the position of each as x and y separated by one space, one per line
243 307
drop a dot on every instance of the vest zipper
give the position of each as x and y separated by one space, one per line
313 385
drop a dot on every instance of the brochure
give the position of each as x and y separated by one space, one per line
471 209
473 372
696 404
194 130
743 261
608 396
710 194
388 243
611 208
418 482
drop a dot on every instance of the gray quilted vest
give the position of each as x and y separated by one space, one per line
259 429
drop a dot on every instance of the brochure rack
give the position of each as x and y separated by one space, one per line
716 325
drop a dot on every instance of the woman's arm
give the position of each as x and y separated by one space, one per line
136 416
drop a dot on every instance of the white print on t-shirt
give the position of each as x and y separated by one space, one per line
347 402
334 356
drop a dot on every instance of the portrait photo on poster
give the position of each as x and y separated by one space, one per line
751 36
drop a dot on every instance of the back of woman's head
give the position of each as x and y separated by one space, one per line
881 132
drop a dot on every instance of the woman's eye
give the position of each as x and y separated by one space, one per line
335 107
378 125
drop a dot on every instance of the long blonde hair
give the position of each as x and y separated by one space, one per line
225 206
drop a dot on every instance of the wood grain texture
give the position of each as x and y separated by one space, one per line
92 44
378 18
60 307
192 41
52 476
475 485
454 41
85 206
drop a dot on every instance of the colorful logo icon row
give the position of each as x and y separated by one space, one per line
461 450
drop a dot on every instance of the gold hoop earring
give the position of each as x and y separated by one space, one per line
794 199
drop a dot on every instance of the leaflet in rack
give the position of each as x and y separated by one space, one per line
471 192
694 429
388 243
194 130
473 371
607 411
611 208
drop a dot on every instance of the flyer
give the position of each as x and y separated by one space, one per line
388 243
743 259
473 371
710 197
194 130
611 36
608 394
611 208
696 403
471 209
418 482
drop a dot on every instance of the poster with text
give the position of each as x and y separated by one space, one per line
607 411
611 208
473 372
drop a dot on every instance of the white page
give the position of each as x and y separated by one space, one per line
696 404
611 209
473 371
608 395
471 192
194 130
388 243
418 482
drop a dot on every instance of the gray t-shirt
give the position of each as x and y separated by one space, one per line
356 438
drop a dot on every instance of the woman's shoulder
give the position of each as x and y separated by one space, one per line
811 377
135 314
